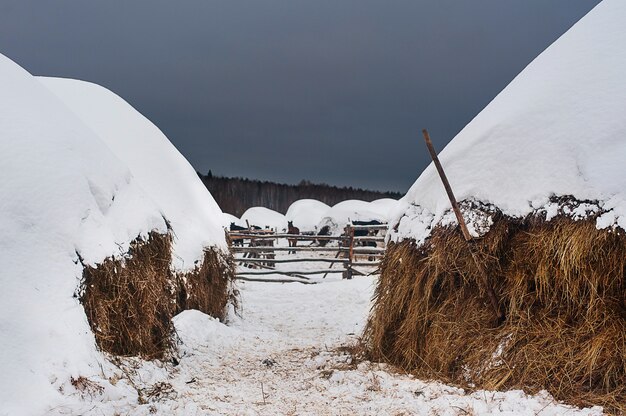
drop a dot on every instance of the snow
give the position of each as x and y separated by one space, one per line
64 193
265 217
84 174
344 212
284 357
384 206
155 163
306 213
557 129
227 219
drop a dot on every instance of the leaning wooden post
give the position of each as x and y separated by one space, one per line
466 234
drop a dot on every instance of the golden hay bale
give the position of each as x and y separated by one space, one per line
208 288
128 301
561 285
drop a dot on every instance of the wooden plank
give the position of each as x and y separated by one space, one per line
284 272
268 249
260 279
369 238
291 260
366 263
368 250
370 227
302 237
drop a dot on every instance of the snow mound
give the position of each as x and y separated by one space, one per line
384 206
344 212
64 195
306 213
155 163
196 329
558 129
265 217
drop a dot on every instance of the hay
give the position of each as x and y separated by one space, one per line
561 285
208 288
128 301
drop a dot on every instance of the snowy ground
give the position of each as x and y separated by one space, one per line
284 357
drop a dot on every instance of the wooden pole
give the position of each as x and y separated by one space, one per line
468 237
446 184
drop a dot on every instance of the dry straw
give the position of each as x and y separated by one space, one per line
561 285
130 302
208 288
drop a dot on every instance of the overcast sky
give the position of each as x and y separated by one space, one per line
331 91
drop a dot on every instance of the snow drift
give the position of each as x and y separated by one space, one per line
541 177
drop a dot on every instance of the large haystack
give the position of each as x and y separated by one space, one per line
560 285
67 201
200 264
542 180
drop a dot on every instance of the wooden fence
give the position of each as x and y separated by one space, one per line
352 250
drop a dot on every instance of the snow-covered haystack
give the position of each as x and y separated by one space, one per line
199 258
342 213
264 218
541 172
67 201
306 214
384 206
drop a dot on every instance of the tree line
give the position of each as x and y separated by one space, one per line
236 195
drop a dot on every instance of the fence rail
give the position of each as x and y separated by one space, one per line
358 246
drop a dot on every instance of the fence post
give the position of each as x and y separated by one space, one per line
347 274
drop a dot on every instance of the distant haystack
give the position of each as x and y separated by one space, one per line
265 218
541 174
341 214
306 214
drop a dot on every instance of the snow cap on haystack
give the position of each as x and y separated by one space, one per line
197 256
264 217
306 213
558 129
155 163
345 212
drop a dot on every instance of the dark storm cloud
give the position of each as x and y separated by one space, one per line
332 91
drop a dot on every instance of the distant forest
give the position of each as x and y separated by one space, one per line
236 195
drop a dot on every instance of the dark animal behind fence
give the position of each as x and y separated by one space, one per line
325 230
235 227
291 229
366 233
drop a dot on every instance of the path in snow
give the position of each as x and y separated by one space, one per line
282 359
